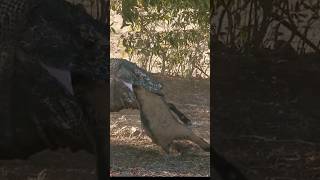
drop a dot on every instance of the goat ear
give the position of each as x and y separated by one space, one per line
61 75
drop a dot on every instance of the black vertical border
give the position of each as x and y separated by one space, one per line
108 86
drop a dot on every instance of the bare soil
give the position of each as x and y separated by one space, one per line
134 154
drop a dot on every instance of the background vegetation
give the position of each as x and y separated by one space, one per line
252 25
167 36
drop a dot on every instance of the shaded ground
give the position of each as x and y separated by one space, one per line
49 165
134 154
267 117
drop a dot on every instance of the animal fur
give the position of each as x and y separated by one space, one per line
122 98
159 122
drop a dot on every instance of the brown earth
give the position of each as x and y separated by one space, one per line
134 154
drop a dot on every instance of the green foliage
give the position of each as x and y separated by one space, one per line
169 35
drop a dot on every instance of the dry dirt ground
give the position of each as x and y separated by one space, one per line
134 154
